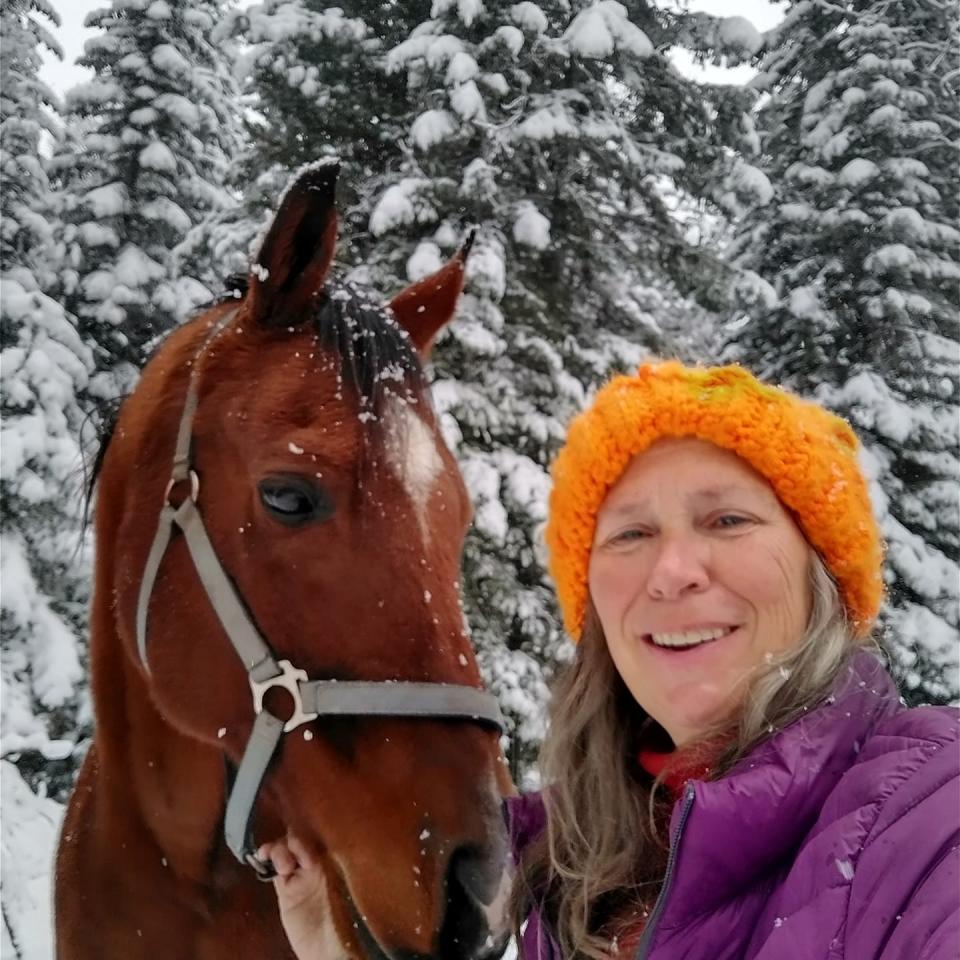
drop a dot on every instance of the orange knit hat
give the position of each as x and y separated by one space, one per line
808 455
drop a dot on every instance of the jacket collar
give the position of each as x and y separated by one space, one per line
741 826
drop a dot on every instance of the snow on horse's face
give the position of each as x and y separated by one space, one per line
339 516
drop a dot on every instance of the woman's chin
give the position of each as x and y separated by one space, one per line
694 713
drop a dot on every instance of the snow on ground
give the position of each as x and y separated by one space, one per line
28 838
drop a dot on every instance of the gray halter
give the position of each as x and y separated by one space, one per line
312 698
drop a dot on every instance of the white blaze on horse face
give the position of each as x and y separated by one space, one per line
413 457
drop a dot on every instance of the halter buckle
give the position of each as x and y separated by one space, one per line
290 679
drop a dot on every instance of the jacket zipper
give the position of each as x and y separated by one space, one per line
643 948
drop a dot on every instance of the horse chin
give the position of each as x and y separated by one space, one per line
371 949
369 945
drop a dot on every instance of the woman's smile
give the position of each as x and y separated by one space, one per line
688 637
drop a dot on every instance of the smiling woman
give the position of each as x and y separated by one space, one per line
731 772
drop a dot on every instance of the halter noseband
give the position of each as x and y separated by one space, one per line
312 698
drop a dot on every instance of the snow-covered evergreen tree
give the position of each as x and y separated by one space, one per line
315 85
859 264
151 135
43 566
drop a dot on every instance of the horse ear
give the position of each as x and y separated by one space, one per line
298 248
426 306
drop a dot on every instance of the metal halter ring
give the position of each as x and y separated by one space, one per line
194 486
290 679
264 869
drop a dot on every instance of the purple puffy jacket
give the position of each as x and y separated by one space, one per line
838 837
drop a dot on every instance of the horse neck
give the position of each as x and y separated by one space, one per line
143 762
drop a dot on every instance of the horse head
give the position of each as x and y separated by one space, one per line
313 459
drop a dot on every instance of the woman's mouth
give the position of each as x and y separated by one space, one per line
688 639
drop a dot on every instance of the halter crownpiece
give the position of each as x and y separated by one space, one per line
312 698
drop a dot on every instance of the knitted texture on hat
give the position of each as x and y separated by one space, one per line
807 454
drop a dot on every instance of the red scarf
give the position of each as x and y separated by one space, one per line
693 763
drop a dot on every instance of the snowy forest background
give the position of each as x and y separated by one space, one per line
804 223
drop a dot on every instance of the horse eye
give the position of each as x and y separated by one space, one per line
294 501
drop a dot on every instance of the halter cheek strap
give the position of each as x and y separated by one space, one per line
312 698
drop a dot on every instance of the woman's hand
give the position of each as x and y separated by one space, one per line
302 896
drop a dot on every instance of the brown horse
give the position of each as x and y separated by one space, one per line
310 527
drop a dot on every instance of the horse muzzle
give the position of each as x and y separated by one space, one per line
474 922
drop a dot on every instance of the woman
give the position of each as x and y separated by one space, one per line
731 771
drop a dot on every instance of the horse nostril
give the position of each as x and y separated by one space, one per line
479 877
474 881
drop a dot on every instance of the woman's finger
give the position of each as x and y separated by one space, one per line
279 853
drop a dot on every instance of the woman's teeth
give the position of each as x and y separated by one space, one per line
691 638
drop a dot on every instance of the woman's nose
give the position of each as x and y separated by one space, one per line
679 568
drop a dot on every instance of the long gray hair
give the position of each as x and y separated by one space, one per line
599 865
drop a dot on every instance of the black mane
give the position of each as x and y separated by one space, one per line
376 355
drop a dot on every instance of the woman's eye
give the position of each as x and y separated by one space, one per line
294 501
729 520
628 536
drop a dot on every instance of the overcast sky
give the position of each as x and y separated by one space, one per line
71 35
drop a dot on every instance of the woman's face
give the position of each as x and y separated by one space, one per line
698 575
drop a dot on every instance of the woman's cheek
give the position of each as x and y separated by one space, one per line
616 583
